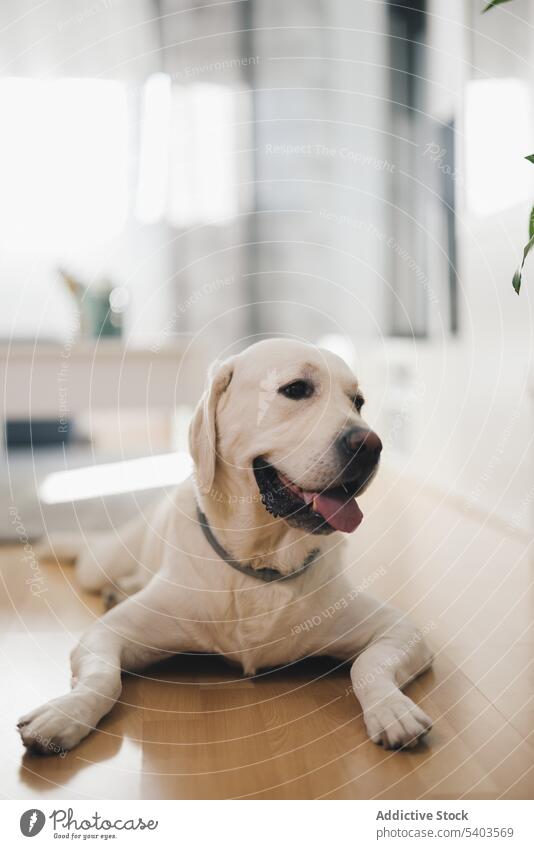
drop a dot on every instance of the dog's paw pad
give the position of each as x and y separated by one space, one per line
52 728
395 722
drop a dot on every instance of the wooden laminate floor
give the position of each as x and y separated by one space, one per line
194 727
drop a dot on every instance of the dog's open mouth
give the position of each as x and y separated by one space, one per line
324 511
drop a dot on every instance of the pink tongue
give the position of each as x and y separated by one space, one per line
342 515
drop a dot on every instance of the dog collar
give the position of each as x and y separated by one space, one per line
264 574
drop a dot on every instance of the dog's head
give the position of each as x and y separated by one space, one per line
283 420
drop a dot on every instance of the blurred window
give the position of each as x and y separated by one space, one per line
188 172
63 163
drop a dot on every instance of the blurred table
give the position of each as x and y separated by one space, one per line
54 381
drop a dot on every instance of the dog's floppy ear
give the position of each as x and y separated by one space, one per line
203 428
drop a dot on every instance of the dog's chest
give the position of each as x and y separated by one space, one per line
257 628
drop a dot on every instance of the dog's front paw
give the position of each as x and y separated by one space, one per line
395 722
55 727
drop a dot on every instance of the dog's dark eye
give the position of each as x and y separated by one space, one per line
297 390
358 402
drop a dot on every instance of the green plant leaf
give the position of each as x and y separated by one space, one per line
527 249
530 158
516 280
494 3
531 224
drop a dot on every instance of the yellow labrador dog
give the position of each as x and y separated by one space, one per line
243 553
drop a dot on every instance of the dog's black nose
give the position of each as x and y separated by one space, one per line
361 443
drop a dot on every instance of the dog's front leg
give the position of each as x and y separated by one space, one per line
390 652
130 636
391 718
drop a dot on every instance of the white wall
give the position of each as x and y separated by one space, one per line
469 423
